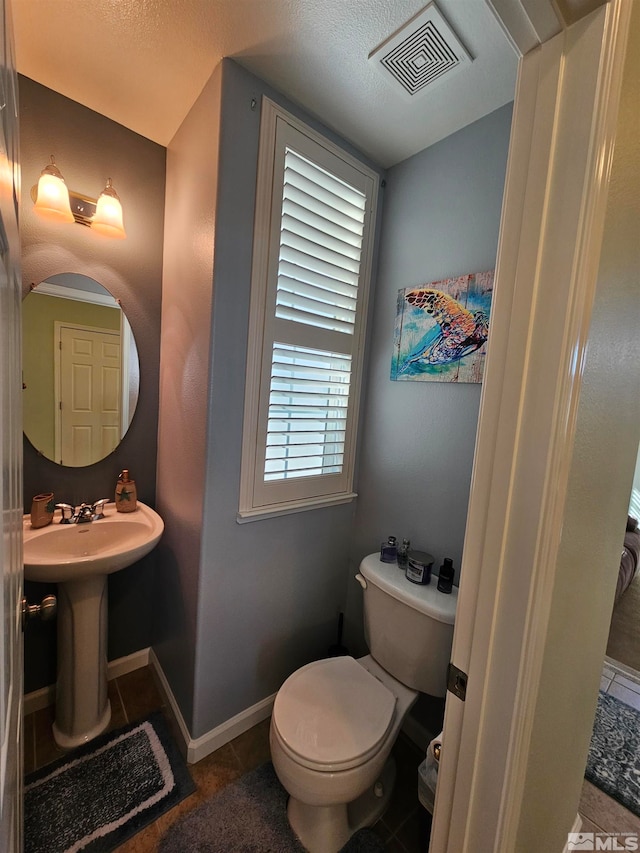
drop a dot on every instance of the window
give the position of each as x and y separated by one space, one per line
313 239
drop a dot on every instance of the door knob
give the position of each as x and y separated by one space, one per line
46 610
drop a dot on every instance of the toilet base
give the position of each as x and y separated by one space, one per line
326 829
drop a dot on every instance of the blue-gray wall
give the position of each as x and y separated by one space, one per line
441 218
266 593
89 148
239 607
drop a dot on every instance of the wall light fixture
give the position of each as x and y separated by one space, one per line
55 201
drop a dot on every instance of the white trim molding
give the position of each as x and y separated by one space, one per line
46 696
576 828
195 749
262 495
62 292
244 516
563 133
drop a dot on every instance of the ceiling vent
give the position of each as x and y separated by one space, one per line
422 52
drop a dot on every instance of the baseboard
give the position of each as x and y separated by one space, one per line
230 729
38 699
129 663
195 749
45 696
577 826
180 729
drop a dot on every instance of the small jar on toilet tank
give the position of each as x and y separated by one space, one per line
419 565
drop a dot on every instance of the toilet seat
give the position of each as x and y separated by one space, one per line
332 714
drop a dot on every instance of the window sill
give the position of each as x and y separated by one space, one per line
246 515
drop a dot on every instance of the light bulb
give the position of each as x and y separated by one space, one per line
108 216
52 199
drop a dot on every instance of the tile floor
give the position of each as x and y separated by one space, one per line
622 682
135 695
599 812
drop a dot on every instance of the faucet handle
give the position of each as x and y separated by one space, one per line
98 508
66 513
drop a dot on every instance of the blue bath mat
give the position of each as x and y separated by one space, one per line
249 816
102 793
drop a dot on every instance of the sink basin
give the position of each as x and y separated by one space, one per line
78 557
64 552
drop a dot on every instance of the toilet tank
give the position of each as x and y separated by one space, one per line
408 627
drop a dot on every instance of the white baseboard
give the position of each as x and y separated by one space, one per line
45 696
230 729
195 749
38 699
180 729
577 826
129 663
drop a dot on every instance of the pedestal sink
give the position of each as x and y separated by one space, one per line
78 557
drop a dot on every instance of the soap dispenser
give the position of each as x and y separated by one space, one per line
126 496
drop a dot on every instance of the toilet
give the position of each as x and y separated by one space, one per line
335 720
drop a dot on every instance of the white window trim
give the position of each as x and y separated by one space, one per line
266 206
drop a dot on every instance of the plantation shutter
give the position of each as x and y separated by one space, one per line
307 419
320 247
316 270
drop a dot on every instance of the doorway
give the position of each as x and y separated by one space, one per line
88 371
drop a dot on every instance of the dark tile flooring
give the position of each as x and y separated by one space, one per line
135 695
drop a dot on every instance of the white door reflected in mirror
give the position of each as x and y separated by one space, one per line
81 374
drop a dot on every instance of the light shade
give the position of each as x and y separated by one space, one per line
108 215
52 199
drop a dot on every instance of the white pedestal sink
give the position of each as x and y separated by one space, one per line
78 557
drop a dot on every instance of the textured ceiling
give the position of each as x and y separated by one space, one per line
143 63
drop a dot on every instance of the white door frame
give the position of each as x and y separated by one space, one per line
552 223
11 654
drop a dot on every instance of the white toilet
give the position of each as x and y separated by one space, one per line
335 721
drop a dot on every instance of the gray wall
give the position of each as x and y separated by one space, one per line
89 148
441 218
190 220
267 593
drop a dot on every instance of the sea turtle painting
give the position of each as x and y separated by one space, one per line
442 328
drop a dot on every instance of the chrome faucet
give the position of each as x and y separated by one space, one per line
83 514
98 508
67 513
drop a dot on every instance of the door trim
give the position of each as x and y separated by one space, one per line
553 214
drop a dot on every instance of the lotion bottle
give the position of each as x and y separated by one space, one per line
126 495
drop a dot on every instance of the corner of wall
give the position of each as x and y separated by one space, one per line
187 292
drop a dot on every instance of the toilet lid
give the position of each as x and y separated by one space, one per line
332 714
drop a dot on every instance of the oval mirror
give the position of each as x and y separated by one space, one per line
81 373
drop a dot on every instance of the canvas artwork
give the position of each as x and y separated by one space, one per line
441 330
